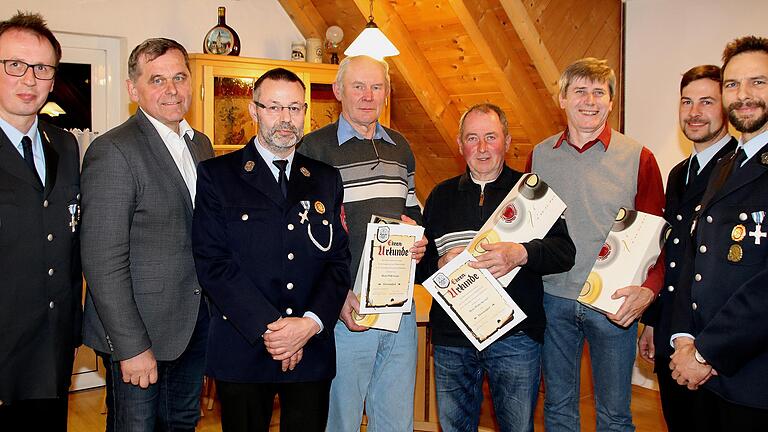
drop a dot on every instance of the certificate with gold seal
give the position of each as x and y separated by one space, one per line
474 300
388 270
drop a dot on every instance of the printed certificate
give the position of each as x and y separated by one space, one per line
526 213
388 268
474 300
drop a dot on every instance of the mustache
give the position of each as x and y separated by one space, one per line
285 126
749 104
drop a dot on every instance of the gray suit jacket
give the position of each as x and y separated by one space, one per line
136 245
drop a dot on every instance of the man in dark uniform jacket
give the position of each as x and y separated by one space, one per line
454 211
703 121
272 253
719 328
40 294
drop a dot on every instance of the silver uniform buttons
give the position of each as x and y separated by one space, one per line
675 240
709 219
50 272
697 278
224 317
244 217
51 305
703 249
290 256
697 208
694 306
290 227
742 217
670 288
679 217
325 222
289 285
50 237
45 203
288 311
672 264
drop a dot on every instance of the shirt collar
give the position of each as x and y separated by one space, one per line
604 138
165 131
752 146
15 135
268 157
708 153
346 132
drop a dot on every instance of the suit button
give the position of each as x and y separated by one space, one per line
197 291
703 249
51 305
670 288
224 317
244 217
288 311
697 277
679 217
45 203
742 217
50 272
289 285
290 256
709 219
325 222
675 240
672 264
694 306
290 227
697 208
50 237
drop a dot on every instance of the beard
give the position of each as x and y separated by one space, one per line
274 140
747 125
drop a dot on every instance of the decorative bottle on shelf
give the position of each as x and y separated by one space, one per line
222 39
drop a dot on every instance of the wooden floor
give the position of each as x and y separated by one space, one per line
85 413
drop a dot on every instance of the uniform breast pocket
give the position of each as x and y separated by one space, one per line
9 217
243 223
747 236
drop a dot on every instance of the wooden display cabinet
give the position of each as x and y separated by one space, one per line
222 87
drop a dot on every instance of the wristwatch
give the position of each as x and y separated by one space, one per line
699 358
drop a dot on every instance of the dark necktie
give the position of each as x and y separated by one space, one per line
282 179
722 176
693 169
29 158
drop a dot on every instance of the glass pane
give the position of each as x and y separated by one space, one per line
232 123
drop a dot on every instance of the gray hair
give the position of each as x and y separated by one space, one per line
344 65
486 108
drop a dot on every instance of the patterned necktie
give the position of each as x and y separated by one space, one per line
29 158
282 179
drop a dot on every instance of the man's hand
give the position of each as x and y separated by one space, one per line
636 300
685 369
286 336
448 256
351 304
140 370
418 249
501 258
291 362
645 345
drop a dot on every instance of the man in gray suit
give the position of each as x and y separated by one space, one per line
144 311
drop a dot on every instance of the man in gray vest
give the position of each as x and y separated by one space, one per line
595 170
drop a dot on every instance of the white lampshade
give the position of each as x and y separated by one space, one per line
373 43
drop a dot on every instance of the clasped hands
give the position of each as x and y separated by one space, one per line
286 337
686 370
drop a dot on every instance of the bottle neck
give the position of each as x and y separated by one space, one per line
222 16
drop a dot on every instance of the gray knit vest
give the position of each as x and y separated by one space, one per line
593 185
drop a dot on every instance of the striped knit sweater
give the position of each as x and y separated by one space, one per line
382 186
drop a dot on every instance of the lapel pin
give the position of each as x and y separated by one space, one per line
735 253
319 207
249 166
738 233
764 158
304 171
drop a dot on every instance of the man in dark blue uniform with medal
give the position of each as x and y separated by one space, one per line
272 254
719 329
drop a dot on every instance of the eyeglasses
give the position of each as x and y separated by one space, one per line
18 68
276 110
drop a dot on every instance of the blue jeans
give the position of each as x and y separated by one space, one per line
376 368
513 368
172 403
612 352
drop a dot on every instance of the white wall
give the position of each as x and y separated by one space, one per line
665 38
264 28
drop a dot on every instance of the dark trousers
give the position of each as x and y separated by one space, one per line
172 403
35 415
677 402
247 407
715 414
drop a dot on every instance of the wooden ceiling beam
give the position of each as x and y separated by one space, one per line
306 17
417 71
533 43
487 34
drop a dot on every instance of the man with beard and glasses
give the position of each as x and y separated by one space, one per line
272 255
719 329
703 121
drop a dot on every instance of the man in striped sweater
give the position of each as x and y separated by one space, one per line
375 368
